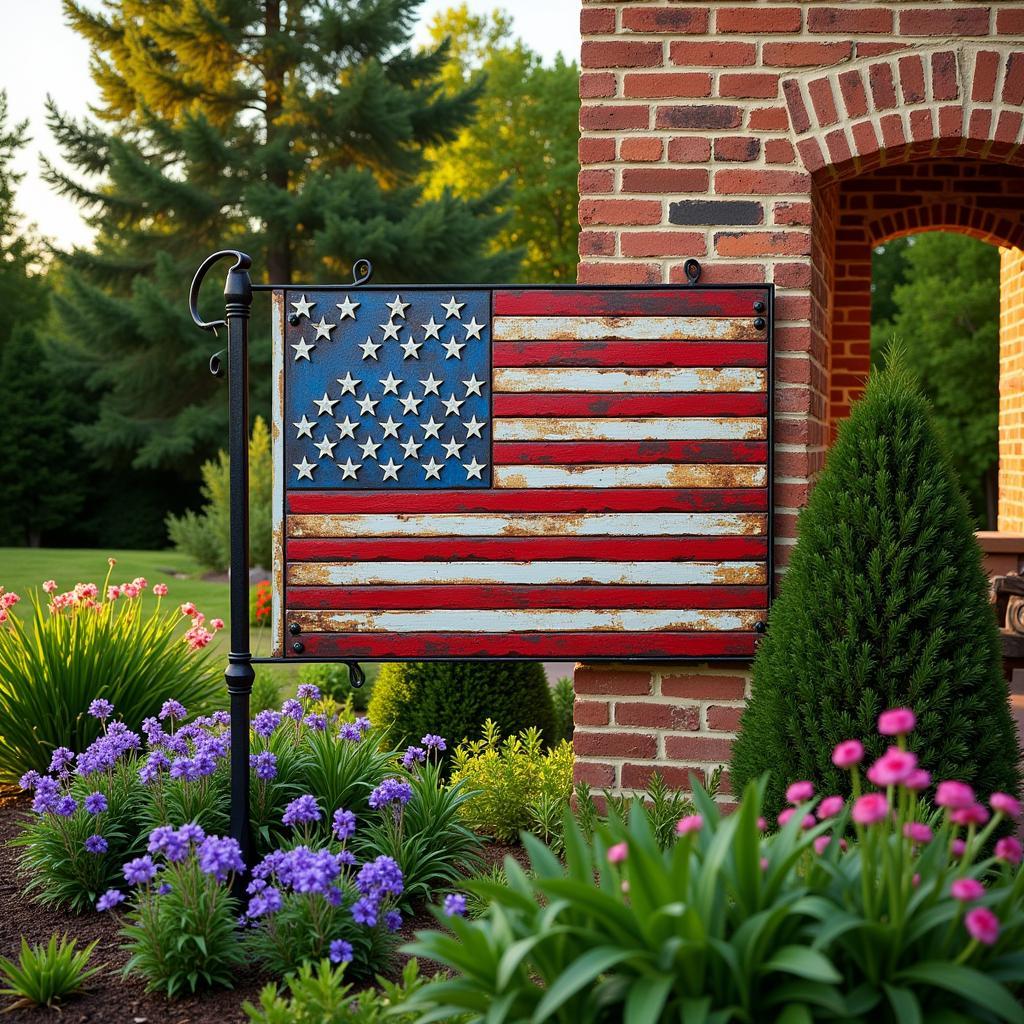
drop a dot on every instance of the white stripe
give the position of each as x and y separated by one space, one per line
711 475
592 378
638 328
648 428
508 620
339 574
531 524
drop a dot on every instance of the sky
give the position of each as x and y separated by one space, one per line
39 54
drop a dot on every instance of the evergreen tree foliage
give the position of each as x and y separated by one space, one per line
454 699
884 604
526 133
295 131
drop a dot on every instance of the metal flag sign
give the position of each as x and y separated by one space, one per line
571 473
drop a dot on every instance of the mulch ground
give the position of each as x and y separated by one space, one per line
113 997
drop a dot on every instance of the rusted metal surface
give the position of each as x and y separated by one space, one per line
595 380
277 625
642 328
630 476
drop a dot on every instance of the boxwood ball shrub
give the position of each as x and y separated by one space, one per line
456 698
884 602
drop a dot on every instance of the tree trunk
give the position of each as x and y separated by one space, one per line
279 251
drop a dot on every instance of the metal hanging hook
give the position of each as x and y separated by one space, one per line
356 678
242 263
362 271
691 268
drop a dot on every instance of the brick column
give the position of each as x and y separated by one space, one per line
1011 391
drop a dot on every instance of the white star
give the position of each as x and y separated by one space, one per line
472 386
453 348
349 469
305 468
432 329
452 308
473 427
411 404
411 447
367 405
431 385
398 307
349 384
323 329
369 349
348 308
433 469
412 349
305 427
391 330
325 447
473 329
452 448
391 469
369 447
390 384
302 307
302 350
431 428
325 406
473 468
347 428
452 405
390 427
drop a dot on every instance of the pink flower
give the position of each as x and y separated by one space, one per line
3 614
86 590
160 589
140 582
764 863
113 593
785 815
197 638
130 590
617 853
188 608
691 823
954 794
1003 803
216 624
917 832
762 824
830 807
892 767
848 753
9 600
916 880
918 780
1009 849
111 562
957 847
870 808
821 844
976 814
49 586
809 821
798 792
982 925
896 722
967 889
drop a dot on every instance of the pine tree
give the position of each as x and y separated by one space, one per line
293 130
884 604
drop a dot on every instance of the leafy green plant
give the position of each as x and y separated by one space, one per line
44 975
266 692
884 602
511 779
318 994
456 698
563 697
89 643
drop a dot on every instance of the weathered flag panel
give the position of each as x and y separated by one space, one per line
523 473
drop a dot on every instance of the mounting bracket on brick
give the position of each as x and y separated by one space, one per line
691 268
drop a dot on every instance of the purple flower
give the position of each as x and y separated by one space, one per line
266 722
96 844
307 691
101 709
102 754
344 824
95 803
291 708
220 718
110 899
266 900
301 811
346 857
264 764
47 794
65 806
220 856
151 769
380 877
139 871
60 760
392 920
341 952
185 768
173 710
349 731
414 755
434 742
334 896
169 842
455 904
363 724
191 832
391 791
317 722
364 911
163 888
29 780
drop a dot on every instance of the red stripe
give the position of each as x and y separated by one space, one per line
629 353
569 453
650 499
526 549
508 596
627 302
567 404
536 646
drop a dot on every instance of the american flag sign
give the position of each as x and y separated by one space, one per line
562 473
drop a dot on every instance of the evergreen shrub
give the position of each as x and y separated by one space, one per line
884 603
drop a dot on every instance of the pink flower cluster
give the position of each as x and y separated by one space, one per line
7 600
129 590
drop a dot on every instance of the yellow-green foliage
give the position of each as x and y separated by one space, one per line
511 777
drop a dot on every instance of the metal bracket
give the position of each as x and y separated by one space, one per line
691 268
242 263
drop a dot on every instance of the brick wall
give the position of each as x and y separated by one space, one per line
778 142
1011 392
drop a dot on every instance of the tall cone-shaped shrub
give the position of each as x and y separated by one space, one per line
884 604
